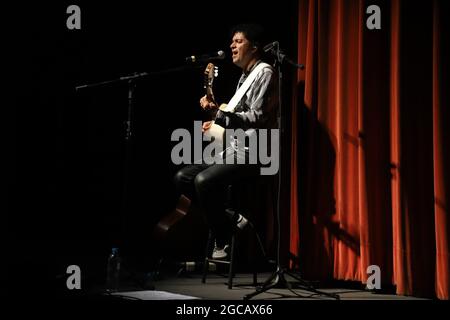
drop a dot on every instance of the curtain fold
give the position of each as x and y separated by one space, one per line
369 167
441 153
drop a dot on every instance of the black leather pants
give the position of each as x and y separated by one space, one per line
208 185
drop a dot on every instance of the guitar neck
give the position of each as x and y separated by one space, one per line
210 95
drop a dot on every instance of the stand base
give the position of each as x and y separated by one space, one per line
278 280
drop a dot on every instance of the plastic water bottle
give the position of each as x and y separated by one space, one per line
113 271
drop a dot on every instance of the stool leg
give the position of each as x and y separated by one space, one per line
261 246
263 252
231 270
206 261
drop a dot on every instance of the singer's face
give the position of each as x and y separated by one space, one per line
242 51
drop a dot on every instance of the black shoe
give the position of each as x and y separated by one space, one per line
238 219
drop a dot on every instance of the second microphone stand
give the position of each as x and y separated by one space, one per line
278 278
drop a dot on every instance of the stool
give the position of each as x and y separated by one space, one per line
231 262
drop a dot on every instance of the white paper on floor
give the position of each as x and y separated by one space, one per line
152 295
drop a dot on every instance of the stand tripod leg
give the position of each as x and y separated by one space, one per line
309 287
278 280
270 283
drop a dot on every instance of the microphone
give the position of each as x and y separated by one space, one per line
280 55
270 46
219 55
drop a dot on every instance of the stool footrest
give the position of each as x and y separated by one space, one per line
218 261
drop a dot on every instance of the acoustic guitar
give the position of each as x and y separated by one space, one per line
167 222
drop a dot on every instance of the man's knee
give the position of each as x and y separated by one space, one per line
200 182
179 177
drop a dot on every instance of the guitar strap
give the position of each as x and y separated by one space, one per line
243 88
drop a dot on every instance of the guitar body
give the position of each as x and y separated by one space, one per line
168 221
179 235
216 133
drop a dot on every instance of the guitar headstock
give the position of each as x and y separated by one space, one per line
211 72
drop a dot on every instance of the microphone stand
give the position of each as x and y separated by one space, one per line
131 82
278 278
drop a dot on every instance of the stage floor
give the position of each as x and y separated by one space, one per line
189 286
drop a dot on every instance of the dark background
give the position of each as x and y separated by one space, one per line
65 195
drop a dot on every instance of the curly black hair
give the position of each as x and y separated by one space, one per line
253 32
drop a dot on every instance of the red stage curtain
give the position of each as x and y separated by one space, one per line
370 144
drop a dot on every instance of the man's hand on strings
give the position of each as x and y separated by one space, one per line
207 104
206 125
